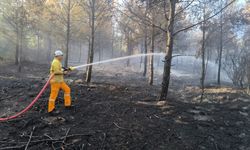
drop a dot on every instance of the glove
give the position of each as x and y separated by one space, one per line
68 69
71 68
65 69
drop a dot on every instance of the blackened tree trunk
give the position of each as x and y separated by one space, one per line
145 52
142 51
38 46
20 27
49 48
220 50
17 58
113 40
248 74
17 46
145 43
89 48
68 32
92 44
169 50
20 49
151 64
80 52
203 69
128 47
99 46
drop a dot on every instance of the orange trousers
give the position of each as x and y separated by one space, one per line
55 88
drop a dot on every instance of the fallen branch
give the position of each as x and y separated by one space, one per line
119 126
65 138
48 136
59 139
31 134
13 147
67 133
42 141
103 141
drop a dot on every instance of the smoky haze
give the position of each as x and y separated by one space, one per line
214 49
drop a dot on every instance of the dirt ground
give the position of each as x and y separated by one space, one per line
119 111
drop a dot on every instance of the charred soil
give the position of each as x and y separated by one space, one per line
122 112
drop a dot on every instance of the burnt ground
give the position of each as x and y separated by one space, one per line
120 111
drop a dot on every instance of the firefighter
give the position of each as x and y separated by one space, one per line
57 82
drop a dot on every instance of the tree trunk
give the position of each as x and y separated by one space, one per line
112 42
21 32
89 47
68 33
145 44
151 63
20 50
142 51
17 47
102 49
91 52
203 71
219 67
99 46
17 39
49 48
128 48
38 47
169 51
220 50
80 52
145 52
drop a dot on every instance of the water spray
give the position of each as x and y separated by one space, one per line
118 59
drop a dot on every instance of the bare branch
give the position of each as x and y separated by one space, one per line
189 27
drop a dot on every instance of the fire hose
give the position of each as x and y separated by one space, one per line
30 105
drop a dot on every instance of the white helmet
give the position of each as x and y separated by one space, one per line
58 53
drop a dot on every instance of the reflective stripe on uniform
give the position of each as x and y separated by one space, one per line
52 100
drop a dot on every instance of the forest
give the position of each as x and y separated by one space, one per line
125 74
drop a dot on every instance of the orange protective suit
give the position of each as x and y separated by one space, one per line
58 83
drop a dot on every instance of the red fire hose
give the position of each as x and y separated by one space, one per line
30 105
